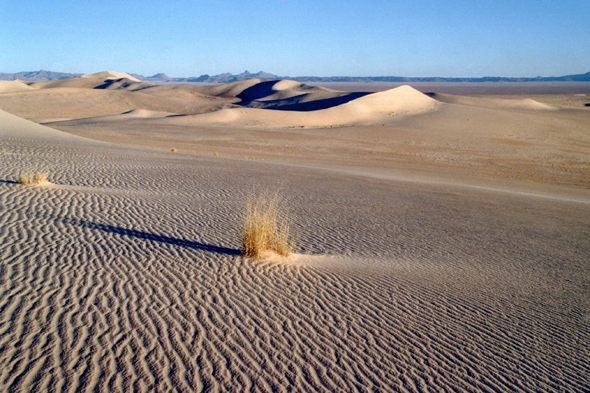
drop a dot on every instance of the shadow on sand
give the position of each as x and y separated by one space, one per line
8 181
154 237
250 97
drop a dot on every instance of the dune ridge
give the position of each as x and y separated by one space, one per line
13 86
17 127
504 103
538 138
110 75
401 101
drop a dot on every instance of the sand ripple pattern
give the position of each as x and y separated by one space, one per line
125 276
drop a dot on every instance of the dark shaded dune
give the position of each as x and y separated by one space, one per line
123 84
298 104
299 97
256 92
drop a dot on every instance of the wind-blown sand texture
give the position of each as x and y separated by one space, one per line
123 273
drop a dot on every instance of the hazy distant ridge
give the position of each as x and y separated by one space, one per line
42 75
37 76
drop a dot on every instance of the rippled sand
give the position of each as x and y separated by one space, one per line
124 274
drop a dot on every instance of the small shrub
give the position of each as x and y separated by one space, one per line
266 227
173 150
217 154
32 177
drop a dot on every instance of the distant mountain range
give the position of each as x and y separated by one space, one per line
42 76
221 78
37 76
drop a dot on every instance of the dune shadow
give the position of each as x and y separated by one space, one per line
588 104
155 237
109 82
256 92
250 98
8 181
293 104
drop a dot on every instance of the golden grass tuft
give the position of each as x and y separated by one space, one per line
266 227
216 154
32 177
173 150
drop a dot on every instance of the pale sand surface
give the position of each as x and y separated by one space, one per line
413 274
13 86
541 139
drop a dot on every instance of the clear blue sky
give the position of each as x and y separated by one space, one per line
298 37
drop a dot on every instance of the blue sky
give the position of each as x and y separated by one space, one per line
298 37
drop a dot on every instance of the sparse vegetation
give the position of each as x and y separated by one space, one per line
32 177
217 154
266 227
173 150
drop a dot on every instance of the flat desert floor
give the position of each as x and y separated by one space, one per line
442 238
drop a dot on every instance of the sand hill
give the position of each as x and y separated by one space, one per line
13 86
537 138
487 102
372 108
111 75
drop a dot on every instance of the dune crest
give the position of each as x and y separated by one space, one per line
376 107
128 115
491 103
13 86
14 126
110 75
232 89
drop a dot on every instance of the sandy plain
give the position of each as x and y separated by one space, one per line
442 239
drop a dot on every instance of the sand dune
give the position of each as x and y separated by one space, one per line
232 89
124 275
502 138
13 86
94 83
63 103
102 80
376 107
487 102
111 75
14 126
129 115
289 95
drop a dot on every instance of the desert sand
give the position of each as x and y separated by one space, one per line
442 240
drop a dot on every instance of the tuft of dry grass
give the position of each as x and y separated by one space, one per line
266 227
216 154
31 178
173 150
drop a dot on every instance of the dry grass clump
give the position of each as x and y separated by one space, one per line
32 177
173 150
266 227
